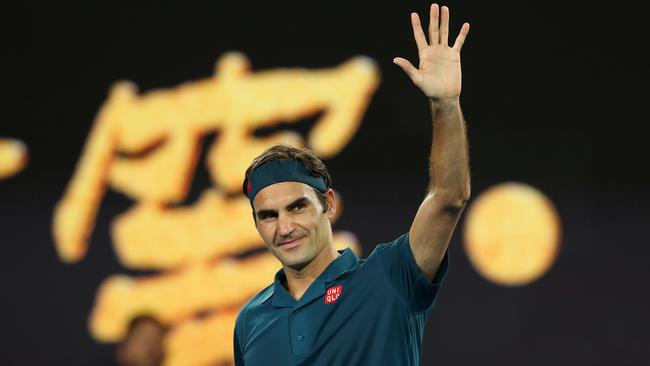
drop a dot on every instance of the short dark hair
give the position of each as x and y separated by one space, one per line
312 163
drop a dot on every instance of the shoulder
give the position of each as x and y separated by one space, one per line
252 305
391 248
391 255
259 298
405 277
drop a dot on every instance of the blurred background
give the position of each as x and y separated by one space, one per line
553 97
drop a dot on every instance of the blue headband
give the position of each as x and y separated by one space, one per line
277 171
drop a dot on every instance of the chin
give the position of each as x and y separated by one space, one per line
298 267
299 260
297 263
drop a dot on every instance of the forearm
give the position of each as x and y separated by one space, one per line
449 160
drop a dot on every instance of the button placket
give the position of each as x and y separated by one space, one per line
299 339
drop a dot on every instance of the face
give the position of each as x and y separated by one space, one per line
291 221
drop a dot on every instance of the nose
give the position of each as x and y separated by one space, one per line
285 225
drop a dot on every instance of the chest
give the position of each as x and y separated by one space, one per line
347 314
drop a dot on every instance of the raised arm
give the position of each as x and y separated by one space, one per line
439 78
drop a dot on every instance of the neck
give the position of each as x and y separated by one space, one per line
298 281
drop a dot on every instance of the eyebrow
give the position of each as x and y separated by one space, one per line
302 201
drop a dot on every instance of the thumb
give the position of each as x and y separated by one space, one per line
408 68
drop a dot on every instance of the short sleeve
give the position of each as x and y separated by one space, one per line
406 277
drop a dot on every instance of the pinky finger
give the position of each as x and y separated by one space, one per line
458 44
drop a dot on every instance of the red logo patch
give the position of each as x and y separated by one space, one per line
333 294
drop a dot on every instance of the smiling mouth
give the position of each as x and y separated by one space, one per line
291 244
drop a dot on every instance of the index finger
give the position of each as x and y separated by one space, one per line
418 33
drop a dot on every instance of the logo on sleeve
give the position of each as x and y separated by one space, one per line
333 294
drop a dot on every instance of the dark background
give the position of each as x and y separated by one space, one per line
553 95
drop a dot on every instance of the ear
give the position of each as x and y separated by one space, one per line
331 204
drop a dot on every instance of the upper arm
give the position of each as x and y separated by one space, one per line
238 354
432 230
239 359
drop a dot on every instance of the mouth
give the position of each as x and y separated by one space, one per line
291 243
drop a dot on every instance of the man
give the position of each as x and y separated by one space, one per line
143 345
328 307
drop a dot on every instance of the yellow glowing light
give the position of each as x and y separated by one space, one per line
163 128
13 157
512 234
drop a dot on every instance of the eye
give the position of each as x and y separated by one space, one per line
297 207
266 217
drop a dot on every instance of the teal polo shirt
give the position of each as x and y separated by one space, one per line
357 312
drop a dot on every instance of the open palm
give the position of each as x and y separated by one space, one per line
439 71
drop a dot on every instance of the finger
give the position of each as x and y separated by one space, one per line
408 67
433 24
418 33
444 26
458 44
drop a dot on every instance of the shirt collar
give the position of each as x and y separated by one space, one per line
346 262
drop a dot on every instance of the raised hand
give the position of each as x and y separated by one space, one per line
439 72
